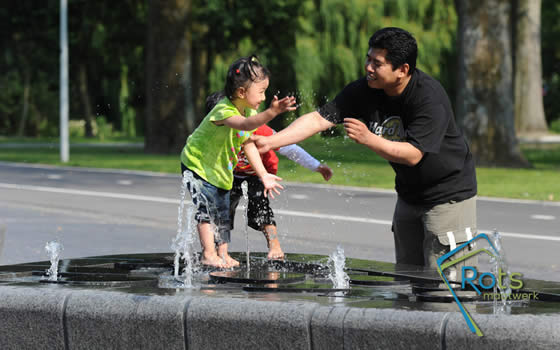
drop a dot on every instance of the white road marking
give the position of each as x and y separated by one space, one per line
526 236
277 211
125 182
298 196
54 177
332 217
89 193
543 217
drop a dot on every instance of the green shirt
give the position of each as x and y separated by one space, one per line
212 150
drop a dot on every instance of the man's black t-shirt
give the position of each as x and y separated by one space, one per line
421 115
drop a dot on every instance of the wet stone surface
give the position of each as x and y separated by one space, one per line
301 277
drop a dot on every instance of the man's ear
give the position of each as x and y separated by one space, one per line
403 70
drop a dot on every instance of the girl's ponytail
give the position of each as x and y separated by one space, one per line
213 99
242 73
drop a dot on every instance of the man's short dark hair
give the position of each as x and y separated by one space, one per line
400 45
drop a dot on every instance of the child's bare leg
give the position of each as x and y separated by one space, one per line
223 253
272 242
209 253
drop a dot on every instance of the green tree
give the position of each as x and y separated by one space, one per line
226 30
28 103
331 46
101 50
168 75
99 47
333 36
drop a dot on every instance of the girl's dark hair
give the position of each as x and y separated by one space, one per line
242 73
213 99
400 45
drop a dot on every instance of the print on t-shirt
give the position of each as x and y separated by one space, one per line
391 128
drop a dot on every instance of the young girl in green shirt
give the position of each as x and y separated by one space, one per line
211 152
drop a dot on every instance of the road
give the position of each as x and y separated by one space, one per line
97 212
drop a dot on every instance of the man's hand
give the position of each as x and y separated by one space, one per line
393 151
287 104
324 170
357 130
270 184
261 142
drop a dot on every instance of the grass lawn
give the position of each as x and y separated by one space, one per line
352 164
355 165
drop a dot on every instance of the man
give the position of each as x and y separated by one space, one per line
408 121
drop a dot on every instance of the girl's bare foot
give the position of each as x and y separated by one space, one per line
212 260
231 262
227 260
272 242
274 250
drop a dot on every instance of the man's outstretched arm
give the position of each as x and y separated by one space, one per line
303 127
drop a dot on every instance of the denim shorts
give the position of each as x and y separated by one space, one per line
212 206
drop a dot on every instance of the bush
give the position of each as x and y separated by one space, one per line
555 126
77 128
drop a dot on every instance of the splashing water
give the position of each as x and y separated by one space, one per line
2 232
499 264
184 241
244 190
336 263
54 249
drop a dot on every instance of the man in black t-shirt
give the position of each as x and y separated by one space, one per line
405 116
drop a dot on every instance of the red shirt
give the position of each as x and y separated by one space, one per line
269 159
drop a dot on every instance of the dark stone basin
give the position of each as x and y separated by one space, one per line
302 277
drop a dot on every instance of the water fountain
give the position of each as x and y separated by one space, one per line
2 235
244 190
361 281
294 295
337 275
54 249
499 265
184 242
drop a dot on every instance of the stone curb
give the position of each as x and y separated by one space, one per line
54 317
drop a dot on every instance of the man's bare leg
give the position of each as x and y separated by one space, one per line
274 250
223 254
209 254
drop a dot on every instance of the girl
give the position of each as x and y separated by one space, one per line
211 152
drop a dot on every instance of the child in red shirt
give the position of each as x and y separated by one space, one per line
260 215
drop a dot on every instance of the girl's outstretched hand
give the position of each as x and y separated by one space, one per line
287 104
325 171
270 184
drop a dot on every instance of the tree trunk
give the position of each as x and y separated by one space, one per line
484 92
529 109
200 71
25 102
168 82
84 95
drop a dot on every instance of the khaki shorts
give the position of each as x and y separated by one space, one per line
423 234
